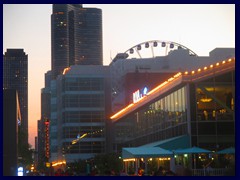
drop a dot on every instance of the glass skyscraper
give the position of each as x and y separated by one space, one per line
15 76
76 36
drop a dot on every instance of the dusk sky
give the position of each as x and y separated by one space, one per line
199 27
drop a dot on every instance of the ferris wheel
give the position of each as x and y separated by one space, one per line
154 48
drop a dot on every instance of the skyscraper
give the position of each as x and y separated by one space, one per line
79 104
11 117
15 76
43 135
76 36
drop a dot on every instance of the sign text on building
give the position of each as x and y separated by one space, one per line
137 95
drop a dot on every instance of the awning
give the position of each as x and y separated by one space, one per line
230 150
145 152
192 150
179 142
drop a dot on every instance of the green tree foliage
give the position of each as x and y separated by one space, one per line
24 151
78 166
105 163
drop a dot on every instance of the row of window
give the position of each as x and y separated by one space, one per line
174 102
83 116
130 130
89 100
167 112
152 137
83 84
213 128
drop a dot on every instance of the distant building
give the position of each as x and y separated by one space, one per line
41 145
15 76
11 120
78 119
43 129
48 78
36 152
45 97
77 40
76 36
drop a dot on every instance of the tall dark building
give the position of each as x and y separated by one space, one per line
41 145
15 76
76 36
11 117
45 97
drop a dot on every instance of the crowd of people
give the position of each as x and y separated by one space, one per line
179 171
161 171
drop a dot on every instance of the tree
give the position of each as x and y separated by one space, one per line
78 167
25 151
105 163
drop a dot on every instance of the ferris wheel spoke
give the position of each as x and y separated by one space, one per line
138 53
152 51
166 50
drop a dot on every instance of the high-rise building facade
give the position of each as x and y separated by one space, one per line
43 124
41 145
76 36
78 116
15 76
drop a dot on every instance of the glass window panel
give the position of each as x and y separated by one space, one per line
168 103
176 101
184 98
179 101
172 102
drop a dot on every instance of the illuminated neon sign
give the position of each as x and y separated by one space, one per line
137 95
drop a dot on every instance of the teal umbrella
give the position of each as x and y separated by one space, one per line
230 150
192 150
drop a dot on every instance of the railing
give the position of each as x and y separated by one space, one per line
208 172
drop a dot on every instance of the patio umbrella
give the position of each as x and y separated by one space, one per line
230 150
